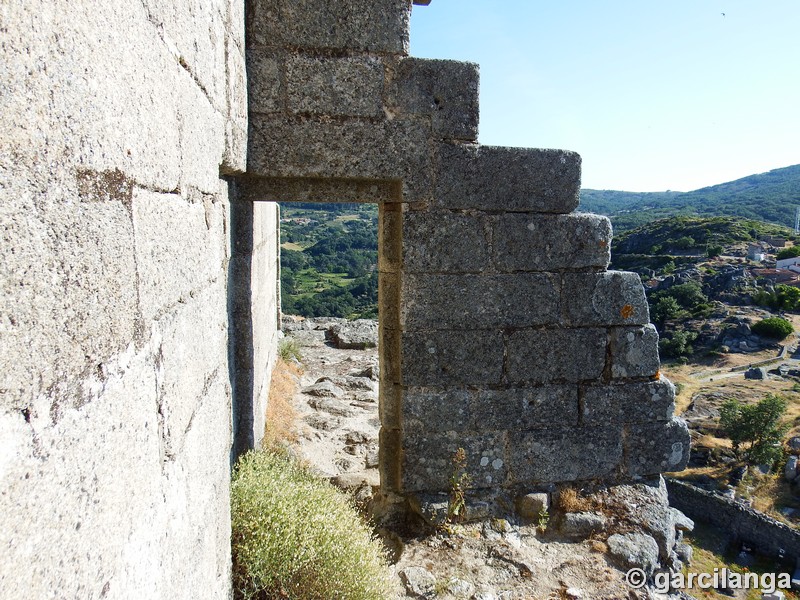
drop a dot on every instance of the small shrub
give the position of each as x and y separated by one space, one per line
289 349
773 327
459 482
296 537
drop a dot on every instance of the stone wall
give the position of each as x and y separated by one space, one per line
741 523
118 123
501 330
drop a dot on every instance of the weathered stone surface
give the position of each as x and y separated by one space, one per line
354 335
531 506
180 247
518 409
642 402
356 149
488 410
446 91
611 298
445 242
471 176
428 464
452 358
264 82
634 352
373 25
582 453
552 355
419 582
634 550
657 448
525 242
430 411
582 524
489 301
347 86
195 32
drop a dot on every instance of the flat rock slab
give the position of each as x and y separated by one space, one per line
353 335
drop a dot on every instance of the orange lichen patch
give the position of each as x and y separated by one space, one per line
602 243
657 375
627 311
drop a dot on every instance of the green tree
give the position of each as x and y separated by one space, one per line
713 250
665 308
680 344
773 327
755 429
789 252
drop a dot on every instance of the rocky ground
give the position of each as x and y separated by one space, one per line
581 553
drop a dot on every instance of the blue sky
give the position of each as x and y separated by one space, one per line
654 95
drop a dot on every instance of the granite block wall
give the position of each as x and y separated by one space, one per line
120 125
502 331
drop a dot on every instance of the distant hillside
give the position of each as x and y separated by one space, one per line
770 196
681 235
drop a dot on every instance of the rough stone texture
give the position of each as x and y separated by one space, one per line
657 448
550 355
428 459
359 334
629 402
470 176
115 412
335 86
443 242
582 453
371 25
445 91
471 410
316 147
634 550
549 243
582 524
634 352
531 506
471 301
611 298
446 358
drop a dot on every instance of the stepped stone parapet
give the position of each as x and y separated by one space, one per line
501 330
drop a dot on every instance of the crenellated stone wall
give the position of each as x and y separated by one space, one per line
501 330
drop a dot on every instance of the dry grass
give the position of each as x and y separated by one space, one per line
281 427
570 500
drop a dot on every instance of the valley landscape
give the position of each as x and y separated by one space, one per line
707 260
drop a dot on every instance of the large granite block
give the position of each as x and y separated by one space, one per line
553 455
510 179
428 460
433 301
556 355
512 409
265 90
656 448
640 402
309 147
445 242
446 91
342 86
611 298
528 242
447 358
634 352
353 25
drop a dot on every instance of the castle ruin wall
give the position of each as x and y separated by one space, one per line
120 124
